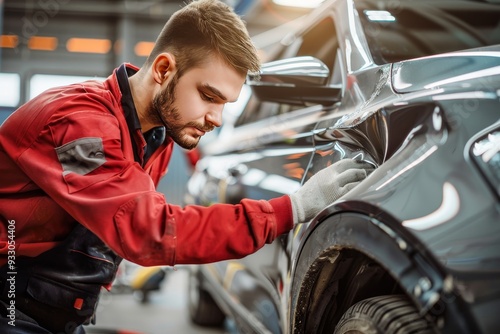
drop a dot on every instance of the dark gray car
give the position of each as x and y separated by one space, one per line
413 87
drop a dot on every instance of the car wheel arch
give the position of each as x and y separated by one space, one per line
338 267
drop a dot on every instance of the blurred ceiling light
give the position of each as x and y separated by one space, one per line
379 16
88 45
42 43
143 49
118 46
299 3
8 41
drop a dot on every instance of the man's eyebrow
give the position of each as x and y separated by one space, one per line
214 91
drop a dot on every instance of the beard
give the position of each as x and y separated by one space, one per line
163 111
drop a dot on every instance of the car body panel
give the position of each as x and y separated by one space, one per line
469 252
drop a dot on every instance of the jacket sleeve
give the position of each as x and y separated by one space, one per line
78 161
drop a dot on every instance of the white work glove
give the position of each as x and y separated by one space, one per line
326 186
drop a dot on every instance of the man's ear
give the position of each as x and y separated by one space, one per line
163 68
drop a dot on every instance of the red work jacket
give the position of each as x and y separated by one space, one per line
41 198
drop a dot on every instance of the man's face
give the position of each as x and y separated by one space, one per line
192 105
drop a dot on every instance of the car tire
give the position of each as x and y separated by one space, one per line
203 310
383 315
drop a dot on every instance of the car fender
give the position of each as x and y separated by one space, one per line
319 271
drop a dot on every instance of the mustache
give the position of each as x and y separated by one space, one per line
201 127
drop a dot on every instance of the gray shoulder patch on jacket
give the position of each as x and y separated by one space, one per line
81 156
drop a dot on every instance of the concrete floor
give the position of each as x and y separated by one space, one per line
165 313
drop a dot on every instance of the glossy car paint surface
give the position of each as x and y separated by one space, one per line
424 224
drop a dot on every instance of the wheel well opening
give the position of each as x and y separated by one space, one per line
337 280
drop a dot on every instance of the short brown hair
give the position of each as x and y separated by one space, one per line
203 28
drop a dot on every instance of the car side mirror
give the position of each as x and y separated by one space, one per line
298 80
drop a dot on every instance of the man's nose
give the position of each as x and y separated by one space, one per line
214 116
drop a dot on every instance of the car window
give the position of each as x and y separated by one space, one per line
402 30
319 41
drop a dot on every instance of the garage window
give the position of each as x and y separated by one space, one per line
42 82
10 86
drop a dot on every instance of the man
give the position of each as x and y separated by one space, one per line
79 166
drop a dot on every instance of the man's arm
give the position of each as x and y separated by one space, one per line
78 161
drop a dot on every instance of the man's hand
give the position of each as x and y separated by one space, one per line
326 186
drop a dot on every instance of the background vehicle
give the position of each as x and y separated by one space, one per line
412 87
141 281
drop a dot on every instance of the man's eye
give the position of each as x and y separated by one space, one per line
207 98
